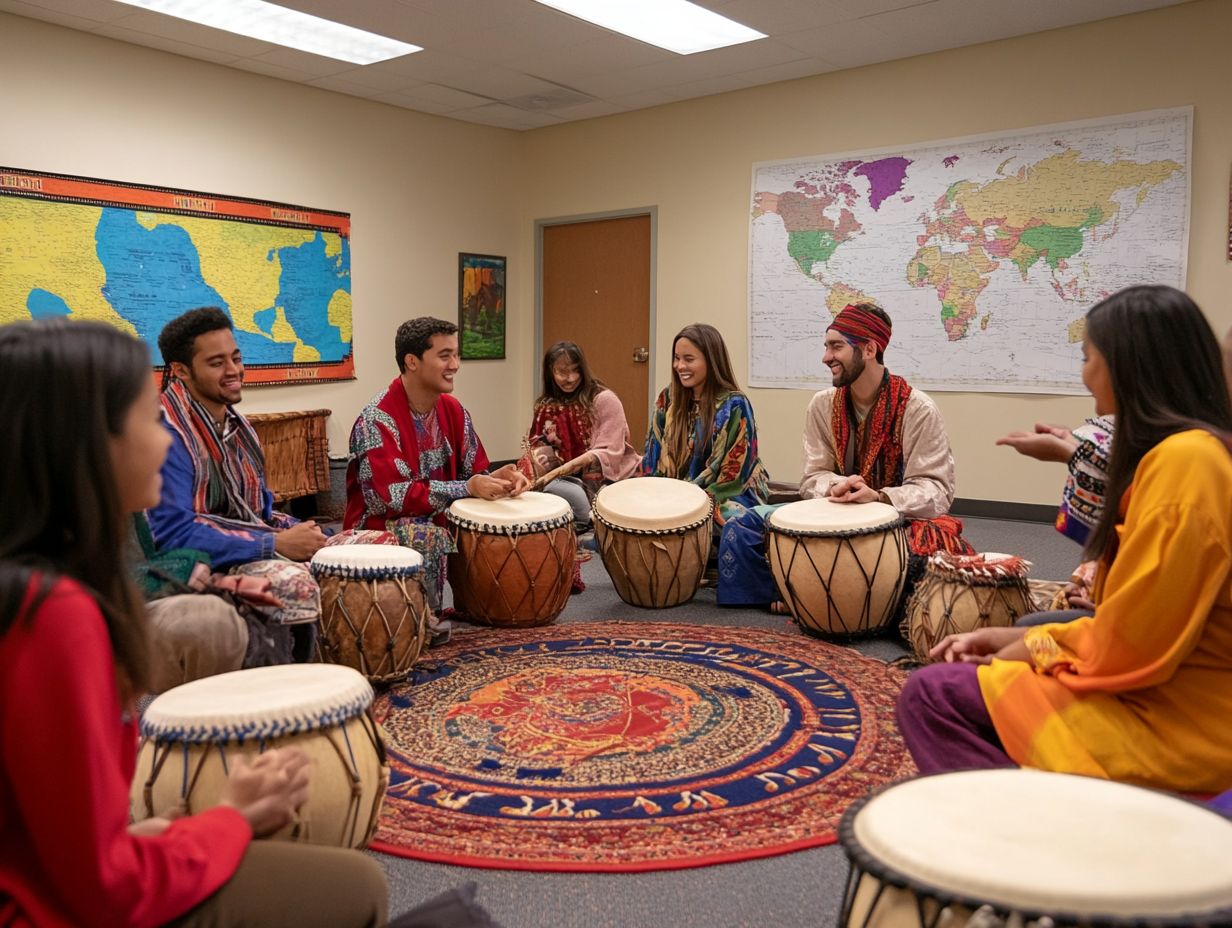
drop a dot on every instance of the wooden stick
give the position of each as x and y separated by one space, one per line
564 470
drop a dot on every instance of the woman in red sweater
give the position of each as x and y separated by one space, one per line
84 448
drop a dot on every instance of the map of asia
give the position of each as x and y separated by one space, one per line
138 256
985 252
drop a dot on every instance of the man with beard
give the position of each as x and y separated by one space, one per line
870 438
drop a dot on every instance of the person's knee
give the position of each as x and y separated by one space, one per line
194 636
365 880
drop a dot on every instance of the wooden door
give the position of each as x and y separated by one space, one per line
596 292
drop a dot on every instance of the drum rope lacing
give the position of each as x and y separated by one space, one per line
837 532
678 530
242 730
355 572
513 531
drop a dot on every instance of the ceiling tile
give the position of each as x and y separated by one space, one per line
449 96
315 65
342 83
587 110
785 16
847 44
168 27
500 83
791 70
257 66
414 103
166 45
505 117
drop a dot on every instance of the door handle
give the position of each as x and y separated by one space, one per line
641 355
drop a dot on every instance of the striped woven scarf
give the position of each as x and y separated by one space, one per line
228 469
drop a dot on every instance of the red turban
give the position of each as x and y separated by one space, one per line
861 325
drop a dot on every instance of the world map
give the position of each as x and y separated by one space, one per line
137 257
985 252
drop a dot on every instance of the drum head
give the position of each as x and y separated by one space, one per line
365 561
529 509
653 503
1050 843
263 702
824 517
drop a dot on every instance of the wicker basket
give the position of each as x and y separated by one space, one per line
296 448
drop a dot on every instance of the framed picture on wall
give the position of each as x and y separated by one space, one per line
481 306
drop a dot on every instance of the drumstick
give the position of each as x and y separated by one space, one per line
564 470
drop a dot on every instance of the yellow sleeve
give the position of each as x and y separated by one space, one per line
1172 563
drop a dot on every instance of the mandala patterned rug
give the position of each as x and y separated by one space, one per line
622 746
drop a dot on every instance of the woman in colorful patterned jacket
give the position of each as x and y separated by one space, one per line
577 413
1142 690
703 429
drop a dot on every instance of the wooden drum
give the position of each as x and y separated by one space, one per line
193 733
654 535
374 614
514 563
963 592
1002 848
839 567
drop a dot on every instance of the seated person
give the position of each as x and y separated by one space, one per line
74 657
575 414
414 451
1085 452
214 497
872 437
1141 691
702 429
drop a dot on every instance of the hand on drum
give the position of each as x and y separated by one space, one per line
1078 590
1046 443
852 489
508 481
270 790
979 646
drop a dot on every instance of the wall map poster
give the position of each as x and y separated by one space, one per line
137 256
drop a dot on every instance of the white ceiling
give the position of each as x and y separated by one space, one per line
520 65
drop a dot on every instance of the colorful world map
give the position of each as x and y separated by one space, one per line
985 252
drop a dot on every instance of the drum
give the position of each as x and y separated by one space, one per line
514 563
190 735
654 535
374 613
963 592
839 567
1027 847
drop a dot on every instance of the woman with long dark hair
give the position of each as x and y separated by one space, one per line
84 447
703 429
574 414
1142 690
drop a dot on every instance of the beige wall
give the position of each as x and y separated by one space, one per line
692 160
421 188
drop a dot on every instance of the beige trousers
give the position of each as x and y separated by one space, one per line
193 636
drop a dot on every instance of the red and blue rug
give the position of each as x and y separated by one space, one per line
622 746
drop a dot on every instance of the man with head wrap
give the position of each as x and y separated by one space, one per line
869 438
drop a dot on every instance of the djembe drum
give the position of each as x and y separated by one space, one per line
839 567
654 535
1025 847
192 734
374 614
963 592
514 563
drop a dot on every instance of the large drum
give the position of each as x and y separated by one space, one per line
374 614
963 592
1024 847
654 535
192 734
839 567
515 557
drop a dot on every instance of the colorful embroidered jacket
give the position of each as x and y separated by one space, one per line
1141 691
724 463
392 476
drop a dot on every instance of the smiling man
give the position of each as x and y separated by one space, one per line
870 438
214 497
414 451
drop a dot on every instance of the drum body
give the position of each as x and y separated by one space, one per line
192 735
1024 847
963 592
654 535
839 567
374 613
514 563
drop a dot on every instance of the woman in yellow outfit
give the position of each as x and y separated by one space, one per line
1142 690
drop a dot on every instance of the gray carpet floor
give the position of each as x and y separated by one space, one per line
801 889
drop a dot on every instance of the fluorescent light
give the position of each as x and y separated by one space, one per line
677 25
281 26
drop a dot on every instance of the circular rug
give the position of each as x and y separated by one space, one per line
632 746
